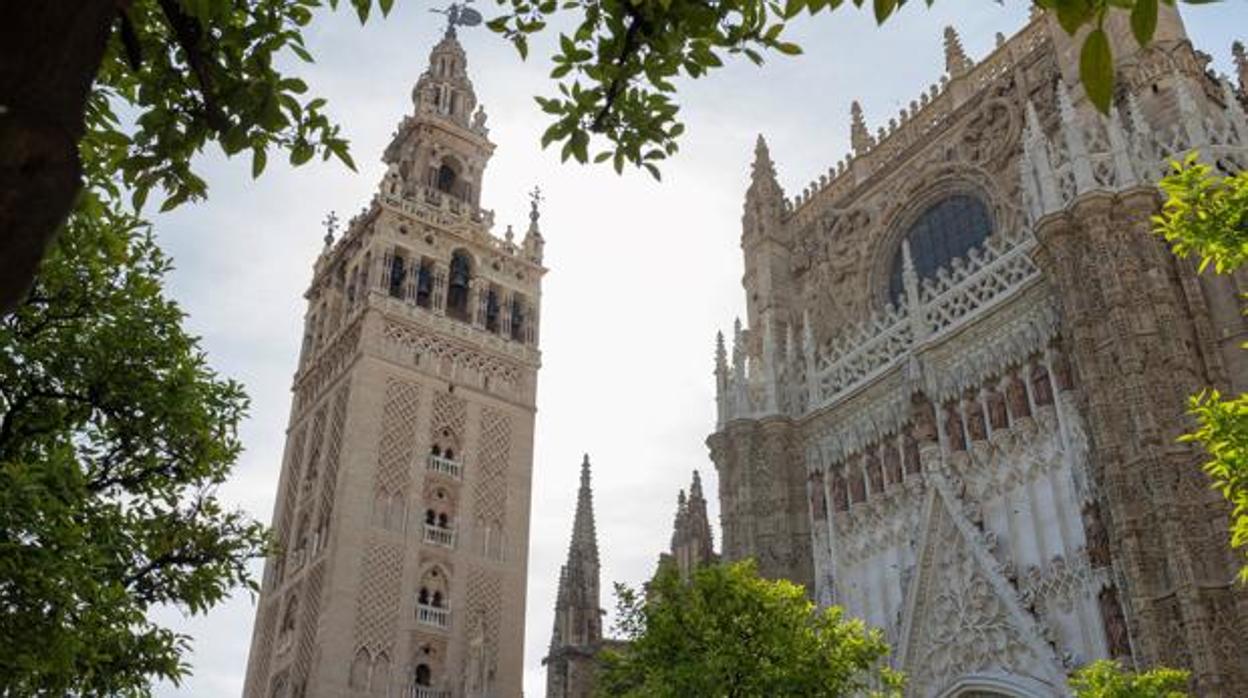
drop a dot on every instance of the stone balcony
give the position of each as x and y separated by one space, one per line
425 692
436 535
433 616
445 466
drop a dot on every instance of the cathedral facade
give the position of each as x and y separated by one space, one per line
954 406
403 503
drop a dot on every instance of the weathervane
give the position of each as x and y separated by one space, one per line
331 226
458 14
535 198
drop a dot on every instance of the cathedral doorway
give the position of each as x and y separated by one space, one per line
999 685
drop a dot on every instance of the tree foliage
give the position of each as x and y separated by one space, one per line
114 435
729 633
617 72
1107 679
1206 215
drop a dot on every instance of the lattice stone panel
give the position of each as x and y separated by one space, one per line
312 467
311 609
485 603
334 451
449 412
398 435
378 600
293 461
490 492
262 650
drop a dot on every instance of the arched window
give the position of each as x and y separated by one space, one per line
457 286
424 676
446 179
945 231
517 318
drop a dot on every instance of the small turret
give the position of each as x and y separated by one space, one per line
692 542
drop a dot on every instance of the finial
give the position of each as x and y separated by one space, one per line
331 226
510 235
1000 39
721 354
761 151
956 62
695 489
859 137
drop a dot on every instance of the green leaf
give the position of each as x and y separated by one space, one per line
1144 20
258 160
788 49
884 8
1096 69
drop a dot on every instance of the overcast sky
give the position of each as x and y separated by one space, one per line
641 276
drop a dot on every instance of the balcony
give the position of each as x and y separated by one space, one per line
445 466
425 692
436 535
432 615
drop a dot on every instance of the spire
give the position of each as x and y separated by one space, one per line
444 89
956 62
578 616
695 490
763 171
859 137
584 536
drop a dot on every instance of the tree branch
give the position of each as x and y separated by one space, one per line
188 32
616 86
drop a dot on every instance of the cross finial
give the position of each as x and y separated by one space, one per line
331 227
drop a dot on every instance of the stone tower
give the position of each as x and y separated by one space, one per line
954 408
402 514
577 635
692 542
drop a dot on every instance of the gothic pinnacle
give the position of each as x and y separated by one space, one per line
859 137
695 489
1241 64
956 62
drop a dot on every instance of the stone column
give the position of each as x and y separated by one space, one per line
1134 340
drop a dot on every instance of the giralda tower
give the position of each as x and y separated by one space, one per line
402 514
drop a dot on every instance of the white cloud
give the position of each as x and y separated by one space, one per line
642 274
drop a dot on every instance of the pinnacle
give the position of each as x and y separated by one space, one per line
859 138
956 62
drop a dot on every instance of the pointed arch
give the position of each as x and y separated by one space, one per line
357 677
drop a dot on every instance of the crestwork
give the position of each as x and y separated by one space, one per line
403 510
954 403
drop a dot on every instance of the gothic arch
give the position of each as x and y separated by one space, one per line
927 190
998 684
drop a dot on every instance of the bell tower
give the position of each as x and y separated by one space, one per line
402 510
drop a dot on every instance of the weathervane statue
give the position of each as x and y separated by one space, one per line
459 14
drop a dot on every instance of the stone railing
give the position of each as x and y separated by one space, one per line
806 380
445 466
961 291
432 615
436 535
1094 152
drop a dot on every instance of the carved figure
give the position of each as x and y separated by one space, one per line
892 463
1098 537
975 419
1016 395
997 415
874 472
911 446
924 415
1041 389
1116 636
953 428
840 499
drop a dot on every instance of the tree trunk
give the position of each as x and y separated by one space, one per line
50 52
